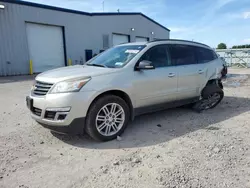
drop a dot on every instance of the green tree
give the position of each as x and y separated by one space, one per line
242 46
222 46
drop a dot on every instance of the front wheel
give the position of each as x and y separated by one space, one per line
107 118
210 98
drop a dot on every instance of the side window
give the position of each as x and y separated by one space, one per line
215 55
182 54
205 55
158 55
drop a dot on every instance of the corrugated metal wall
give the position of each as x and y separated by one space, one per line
14 54
81 32
122 25
13 45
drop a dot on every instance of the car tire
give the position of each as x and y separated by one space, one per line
211 96
99 114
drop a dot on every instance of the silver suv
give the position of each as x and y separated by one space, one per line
102 96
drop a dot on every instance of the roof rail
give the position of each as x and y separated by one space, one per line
157 40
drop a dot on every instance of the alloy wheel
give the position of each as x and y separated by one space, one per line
210 101
110 119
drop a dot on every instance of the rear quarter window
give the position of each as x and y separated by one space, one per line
205 55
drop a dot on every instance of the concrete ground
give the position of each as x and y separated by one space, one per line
172 148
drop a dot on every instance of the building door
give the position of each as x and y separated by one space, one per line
46 47
141 39
119 39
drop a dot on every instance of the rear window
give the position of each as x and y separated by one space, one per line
205 55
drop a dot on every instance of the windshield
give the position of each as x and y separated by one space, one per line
116 57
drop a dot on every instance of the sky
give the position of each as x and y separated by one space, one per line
206 21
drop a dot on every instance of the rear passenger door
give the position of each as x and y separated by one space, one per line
184 58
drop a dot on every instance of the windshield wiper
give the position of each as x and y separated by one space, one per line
96 65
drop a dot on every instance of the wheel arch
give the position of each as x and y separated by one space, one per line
120 94
216 82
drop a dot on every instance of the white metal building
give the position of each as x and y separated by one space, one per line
40 37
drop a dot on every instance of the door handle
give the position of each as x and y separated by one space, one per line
200 71
171 75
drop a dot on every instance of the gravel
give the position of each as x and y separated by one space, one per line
176 148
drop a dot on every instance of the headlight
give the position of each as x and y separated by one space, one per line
69 85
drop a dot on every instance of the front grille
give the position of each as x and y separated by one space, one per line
37 111
42 88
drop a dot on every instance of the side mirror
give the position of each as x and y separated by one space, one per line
145 65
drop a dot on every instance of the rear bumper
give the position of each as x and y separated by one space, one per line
75 127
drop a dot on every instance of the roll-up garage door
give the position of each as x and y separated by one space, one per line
46 47
119 39
141 39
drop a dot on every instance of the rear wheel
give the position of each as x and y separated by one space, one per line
107 118
211 97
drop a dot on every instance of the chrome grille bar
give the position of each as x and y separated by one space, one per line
42 88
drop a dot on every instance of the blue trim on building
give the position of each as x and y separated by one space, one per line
80 12
45 6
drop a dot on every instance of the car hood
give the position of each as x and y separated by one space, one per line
71 72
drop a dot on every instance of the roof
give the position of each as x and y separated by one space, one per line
132 43
81 12
179 40
167 41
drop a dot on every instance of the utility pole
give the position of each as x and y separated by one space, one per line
103 6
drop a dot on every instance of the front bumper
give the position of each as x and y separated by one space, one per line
75 127
73 122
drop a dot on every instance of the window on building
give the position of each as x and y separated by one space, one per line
182 55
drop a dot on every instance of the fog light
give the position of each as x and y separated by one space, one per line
56 114
50 115
61 116
63 109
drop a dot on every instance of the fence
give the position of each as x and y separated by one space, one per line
238 57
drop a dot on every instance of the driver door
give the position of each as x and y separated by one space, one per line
155 86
